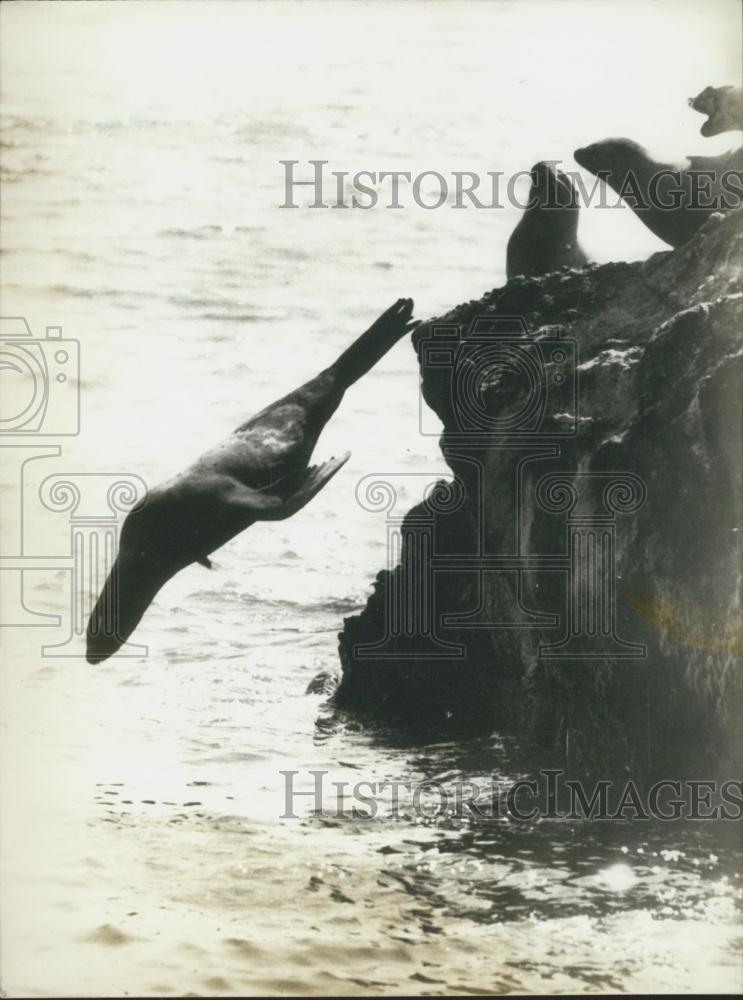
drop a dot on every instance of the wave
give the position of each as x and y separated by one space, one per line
11 122
205 232
12 175
268 129
215 317
75 291
201 303
336 605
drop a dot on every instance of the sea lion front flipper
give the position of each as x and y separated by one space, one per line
260 505
313 481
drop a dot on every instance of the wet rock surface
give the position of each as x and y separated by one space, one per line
583 585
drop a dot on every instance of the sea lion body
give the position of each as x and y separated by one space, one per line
259 473
546 236
673 201
723 107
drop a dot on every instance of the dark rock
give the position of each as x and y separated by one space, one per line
646 491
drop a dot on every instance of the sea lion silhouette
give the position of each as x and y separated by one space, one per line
259 473
546 236
673 201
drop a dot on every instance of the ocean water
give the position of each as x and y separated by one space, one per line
142 847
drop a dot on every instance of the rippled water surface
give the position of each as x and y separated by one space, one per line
142 843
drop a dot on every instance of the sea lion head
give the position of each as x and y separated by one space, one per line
723 107
551 188
613 159
148 556
546 236
706 101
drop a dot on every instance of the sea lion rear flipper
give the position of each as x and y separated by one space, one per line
205 561
372 345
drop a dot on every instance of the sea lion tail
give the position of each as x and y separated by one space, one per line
372 345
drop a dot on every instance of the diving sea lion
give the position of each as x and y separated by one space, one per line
672 201
545 238
259 473
723 107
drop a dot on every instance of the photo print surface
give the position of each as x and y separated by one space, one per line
370 459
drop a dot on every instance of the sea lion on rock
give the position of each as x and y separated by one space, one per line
723 107
672 201
546 237
259 473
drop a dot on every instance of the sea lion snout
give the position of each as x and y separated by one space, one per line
723 107
542 170
551 187
590 158
705 102
608 156
128 592
99 646
146 560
